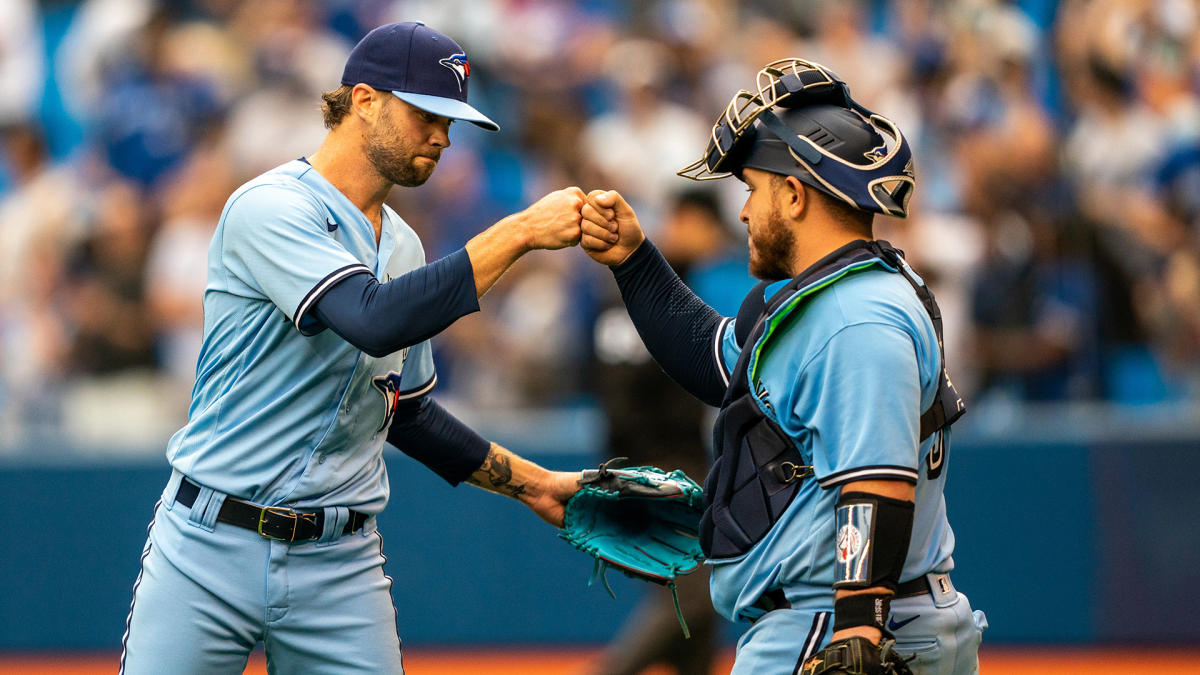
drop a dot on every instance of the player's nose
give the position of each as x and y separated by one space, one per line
440 137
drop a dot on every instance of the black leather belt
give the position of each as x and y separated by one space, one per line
910 589
775 599
272 522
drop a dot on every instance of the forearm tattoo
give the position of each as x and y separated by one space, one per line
496 475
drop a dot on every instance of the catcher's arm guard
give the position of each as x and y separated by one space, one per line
643 520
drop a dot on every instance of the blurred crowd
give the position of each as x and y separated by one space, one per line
1057 214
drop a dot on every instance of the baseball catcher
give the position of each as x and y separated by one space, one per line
824 519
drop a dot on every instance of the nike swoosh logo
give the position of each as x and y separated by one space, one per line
895 625
330 225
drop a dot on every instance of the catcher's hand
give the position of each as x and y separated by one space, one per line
641 520
856 656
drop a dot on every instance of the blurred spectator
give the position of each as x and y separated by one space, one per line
22 64
40 218
1035 303
177 262
106 287
526 347
153 112
841 41
294 59
638 147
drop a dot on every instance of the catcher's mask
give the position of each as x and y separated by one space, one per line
802 122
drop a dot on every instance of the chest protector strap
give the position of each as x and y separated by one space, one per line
758 470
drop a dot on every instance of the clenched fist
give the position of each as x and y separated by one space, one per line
553 221
611 232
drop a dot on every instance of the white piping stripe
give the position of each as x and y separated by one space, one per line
868 472
137 582
817 636
320 288
717 350
418 392
395 612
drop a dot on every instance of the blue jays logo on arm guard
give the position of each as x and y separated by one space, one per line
853 540
459 65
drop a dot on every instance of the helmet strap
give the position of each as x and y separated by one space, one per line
787 135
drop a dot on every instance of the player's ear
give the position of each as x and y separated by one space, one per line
793 197
366 102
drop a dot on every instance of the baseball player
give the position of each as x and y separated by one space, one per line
825 521
317 317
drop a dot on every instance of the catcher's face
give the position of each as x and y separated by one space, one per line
405 142
772 242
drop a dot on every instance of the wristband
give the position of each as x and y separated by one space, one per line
864 609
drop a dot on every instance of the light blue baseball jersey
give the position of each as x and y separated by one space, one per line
847 380
284 412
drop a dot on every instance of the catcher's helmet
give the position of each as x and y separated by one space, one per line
803 123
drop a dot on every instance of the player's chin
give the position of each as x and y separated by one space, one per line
423 167
417 174
763 269
755 257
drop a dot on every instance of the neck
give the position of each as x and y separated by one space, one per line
814 243
345 165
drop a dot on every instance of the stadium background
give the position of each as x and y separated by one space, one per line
1057 218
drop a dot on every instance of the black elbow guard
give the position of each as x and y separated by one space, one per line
872 540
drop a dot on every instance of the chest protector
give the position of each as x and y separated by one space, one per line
758 470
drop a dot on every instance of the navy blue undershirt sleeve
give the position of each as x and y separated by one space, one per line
425 431
677 327
381 318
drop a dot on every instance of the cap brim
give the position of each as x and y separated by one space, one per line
448 107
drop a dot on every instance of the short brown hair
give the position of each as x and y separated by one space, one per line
335 105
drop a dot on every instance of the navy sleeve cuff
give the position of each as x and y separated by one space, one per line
428 433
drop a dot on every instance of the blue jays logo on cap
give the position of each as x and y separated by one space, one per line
458 64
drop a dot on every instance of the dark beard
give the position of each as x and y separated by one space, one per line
395 161
771 257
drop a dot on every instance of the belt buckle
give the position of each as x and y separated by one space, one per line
289 513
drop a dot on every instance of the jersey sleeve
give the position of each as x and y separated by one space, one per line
866 424
276 242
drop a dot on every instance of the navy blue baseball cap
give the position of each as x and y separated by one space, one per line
420 66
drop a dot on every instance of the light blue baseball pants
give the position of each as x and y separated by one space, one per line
938 633
209 592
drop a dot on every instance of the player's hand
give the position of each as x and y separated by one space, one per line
550 502
856 656
553 221
611 232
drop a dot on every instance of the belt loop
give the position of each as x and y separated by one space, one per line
204 510
942 590
336 518
168 496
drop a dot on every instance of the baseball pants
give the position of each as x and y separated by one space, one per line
209 592
938 633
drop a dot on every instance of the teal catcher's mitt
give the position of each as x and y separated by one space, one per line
641 520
